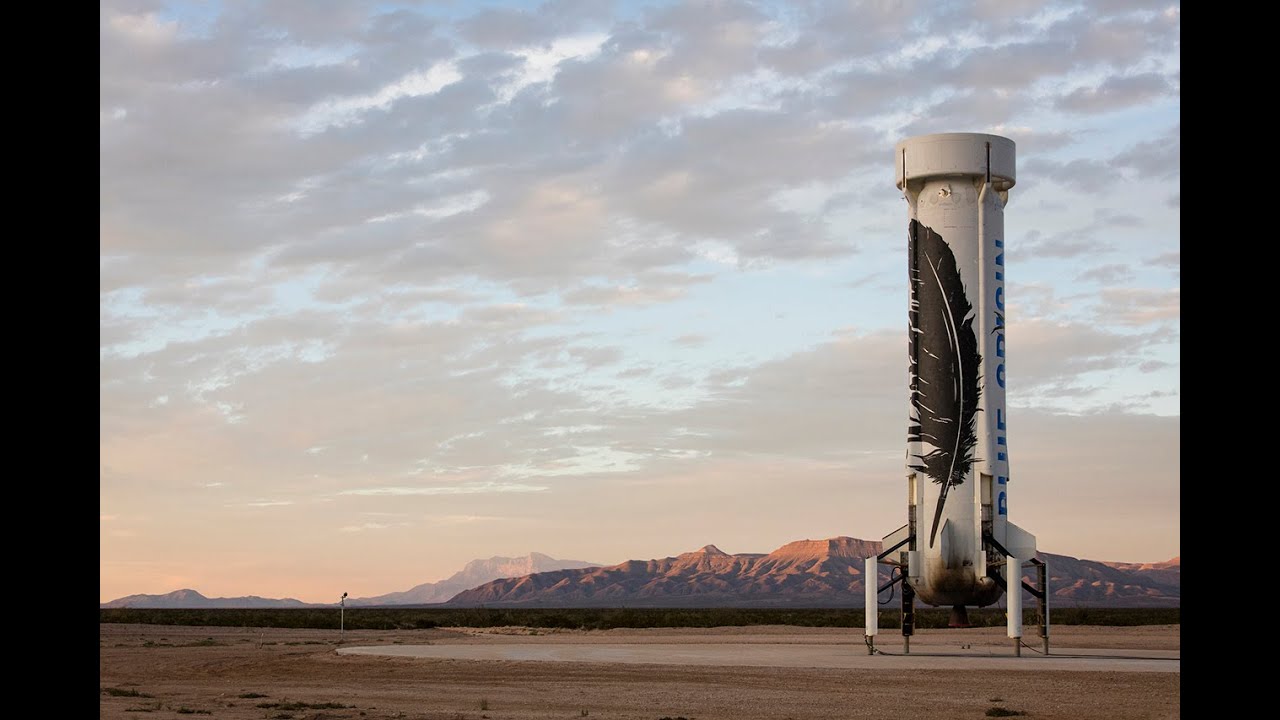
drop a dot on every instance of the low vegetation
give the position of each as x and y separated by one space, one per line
606 618
124 692
286 705
998 711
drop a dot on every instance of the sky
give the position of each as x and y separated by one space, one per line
388 287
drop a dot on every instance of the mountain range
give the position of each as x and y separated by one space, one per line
804 573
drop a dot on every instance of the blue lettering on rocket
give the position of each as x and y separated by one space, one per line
1002 505
1001 455
1002 442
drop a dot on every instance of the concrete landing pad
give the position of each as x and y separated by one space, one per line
791 655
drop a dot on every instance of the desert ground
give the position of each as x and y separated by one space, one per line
163 671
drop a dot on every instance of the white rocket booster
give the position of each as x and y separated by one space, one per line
958 531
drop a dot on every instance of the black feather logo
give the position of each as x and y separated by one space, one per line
944 365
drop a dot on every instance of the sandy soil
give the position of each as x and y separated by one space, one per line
182 672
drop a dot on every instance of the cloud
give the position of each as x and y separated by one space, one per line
1114 93
1030 142
1106 274
349 109
1123 39
500 28
468 489
364 527
1012 65
1084 241
466 519
626 294
1159 158
1082 174
1046 354
144 29
593 357
1071 244
1140 306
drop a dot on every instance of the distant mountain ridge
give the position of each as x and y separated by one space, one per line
1092 583
188 598
476 572
805 573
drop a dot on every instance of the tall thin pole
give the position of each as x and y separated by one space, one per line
342 618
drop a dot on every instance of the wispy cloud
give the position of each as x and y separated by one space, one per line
466 519
1106 274
364 527
342 111
1115 92
1141 306
467 489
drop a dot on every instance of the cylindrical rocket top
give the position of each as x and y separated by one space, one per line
943 154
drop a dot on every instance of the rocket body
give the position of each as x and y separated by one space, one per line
957 458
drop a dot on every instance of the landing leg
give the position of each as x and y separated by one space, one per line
871 580
1042 580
